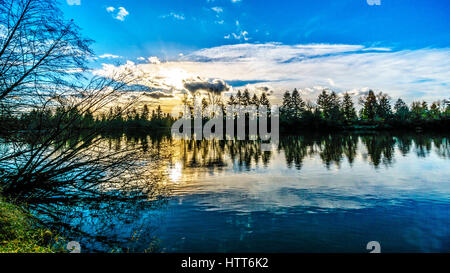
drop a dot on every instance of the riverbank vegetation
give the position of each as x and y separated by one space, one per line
20 233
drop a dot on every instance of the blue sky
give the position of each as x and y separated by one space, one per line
132 30
152 28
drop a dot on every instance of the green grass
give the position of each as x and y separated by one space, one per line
19 232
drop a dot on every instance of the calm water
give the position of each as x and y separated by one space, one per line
310 194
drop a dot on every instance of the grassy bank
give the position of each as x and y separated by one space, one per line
19 232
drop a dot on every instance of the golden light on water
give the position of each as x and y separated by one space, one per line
176 173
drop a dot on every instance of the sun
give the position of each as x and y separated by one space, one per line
175 77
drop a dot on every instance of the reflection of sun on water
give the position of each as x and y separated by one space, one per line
175 173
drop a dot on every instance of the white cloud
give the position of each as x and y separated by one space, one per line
240 34
74 2
154 60
174 16
410 74
217 9
3 31
120 14
108 56
235 1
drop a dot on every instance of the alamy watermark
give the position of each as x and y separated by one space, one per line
374 247
190 124
74 247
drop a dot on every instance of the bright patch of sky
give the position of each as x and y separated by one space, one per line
399 47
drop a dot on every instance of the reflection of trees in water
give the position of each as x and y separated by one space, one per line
246 152
422 145
296 149
332 150
404 143
442 146
214 154
380 148
119 218
98 215
202 153
105 226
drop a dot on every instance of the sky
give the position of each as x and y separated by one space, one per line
401 47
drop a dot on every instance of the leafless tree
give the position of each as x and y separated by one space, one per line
39 50
43 66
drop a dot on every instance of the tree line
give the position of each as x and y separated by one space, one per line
376 112
120 118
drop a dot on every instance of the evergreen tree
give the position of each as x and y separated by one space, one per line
264 101
145 112
323 102
335 111
239 98
298 105
159 113
232 101
384 110
329 105
348 108
370 106
255 100
246 100
447 107
88 119
205 105
417 110
286 108
435 110
401 110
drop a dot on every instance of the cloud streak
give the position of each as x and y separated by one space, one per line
410 74
174 15
74 2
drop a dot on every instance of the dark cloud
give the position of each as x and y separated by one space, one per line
158 95
265 89
214 86
136 88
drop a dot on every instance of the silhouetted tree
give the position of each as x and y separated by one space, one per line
384 110
145 115
246 100
255 100
370 106
232 101
297 104
264 101
348 109
239 98
39 49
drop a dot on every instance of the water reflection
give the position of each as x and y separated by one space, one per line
319 193
377 149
